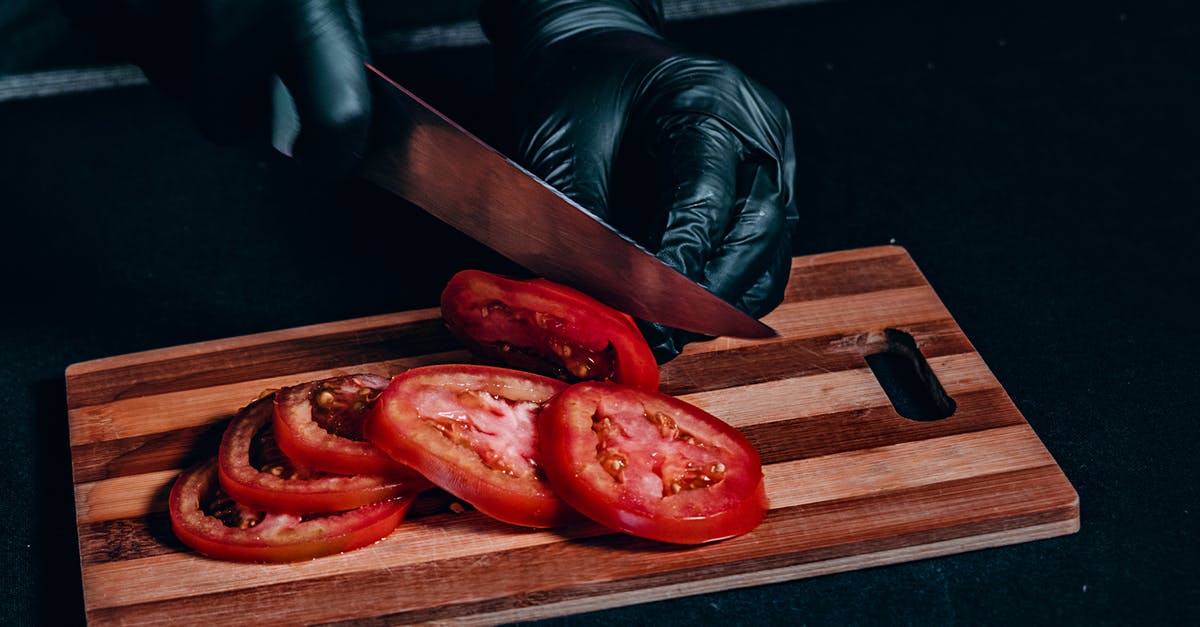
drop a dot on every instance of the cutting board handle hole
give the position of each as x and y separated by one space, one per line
907 379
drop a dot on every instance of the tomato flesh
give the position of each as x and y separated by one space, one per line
254 472
318 424
547 328
471 430
650 465
206 519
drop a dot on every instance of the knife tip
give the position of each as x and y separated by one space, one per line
766 331
754 330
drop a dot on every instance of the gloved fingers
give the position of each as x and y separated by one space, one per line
570 142
570 158
758 233
693 83
769 289
572 109
698 159
749 266
325 48
763 295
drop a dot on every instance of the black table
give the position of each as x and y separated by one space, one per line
1040 163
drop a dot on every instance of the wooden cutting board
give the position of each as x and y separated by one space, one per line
852 483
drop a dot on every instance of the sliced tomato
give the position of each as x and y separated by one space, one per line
318 424
206 519
254 472
650 465
548 328
471 430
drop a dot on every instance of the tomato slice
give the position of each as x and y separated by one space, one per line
206 519
254 472
650 465
471 430
548 328
318 424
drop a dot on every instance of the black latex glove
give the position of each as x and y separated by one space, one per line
677 149
220 56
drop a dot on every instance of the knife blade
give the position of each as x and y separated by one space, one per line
426 158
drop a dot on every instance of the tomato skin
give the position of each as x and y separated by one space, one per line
471 431
548 328
275 537
307 442
291 488
650 465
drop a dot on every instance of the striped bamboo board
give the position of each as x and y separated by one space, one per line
852 483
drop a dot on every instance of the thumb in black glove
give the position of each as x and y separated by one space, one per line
679 150
219 57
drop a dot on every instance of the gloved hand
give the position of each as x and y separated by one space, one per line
679 150
220 58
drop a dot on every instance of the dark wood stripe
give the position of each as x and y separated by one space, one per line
132 456
615 563
985 504
127 539
256 361
862 429
852 276
771 361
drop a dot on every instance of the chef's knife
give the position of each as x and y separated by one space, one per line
426 158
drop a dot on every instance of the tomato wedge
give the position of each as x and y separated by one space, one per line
471 430
206 519
650 465
318 424
254 472
548 328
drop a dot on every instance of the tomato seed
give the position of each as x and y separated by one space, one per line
325 399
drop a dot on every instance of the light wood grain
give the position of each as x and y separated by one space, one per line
851 483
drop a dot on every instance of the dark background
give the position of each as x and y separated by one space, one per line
1037 159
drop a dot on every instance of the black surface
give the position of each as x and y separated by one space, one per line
1039 163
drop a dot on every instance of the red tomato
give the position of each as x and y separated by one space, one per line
255 473
206 519
544 327
471 430
650 465
319 425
